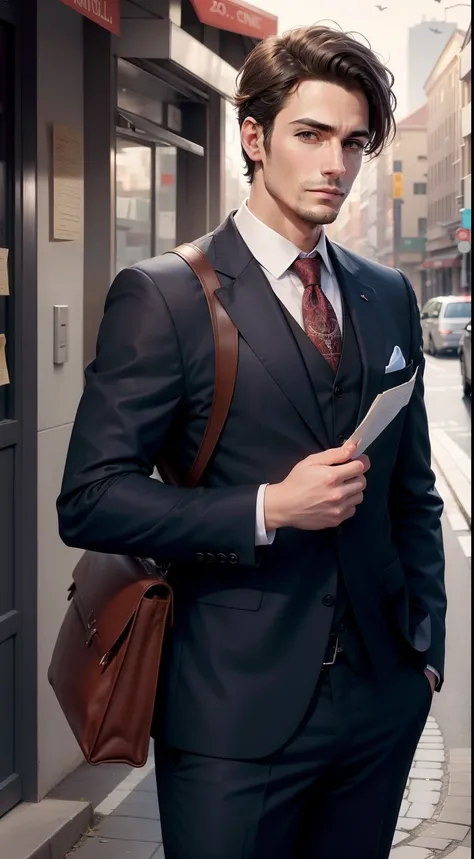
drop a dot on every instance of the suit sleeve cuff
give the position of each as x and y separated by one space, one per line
262 536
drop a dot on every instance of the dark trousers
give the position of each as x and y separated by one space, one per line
333 791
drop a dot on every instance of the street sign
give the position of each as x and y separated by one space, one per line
466 218
397 186
463 235
464 247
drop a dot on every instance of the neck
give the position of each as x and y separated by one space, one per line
278 217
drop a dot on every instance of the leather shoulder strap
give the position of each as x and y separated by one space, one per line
226 358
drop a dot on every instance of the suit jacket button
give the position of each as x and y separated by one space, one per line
338 391
328 600
221 558
233 558
200 557
210 558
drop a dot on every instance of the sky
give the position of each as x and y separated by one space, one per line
386 31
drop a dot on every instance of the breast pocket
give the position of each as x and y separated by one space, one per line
392 380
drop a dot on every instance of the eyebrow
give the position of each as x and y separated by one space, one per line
329 129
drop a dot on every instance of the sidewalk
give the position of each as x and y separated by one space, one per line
434 818
455 466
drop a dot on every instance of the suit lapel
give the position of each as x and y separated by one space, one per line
367 320
249 300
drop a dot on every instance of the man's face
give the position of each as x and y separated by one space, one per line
315 151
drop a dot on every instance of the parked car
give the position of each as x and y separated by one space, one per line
465 358
443 321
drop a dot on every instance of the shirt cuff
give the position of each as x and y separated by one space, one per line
435 672
262 537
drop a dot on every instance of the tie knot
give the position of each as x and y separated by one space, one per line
308 270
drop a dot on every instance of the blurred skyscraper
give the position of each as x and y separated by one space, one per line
426 41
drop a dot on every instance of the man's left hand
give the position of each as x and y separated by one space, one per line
432 679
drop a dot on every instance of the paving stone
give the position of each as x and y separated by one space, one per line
429 765
404 808
431 755
140 803
421 795
408 823
430 745
406 851
426 784
447 830
398 837
130 829
425 810
461 853
421 772
426 841
461 776
451 814
100 848
459 788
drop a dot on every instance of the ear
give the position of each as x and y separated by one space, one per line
251 137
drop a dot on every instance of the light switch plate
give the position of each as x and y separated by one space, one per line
61 333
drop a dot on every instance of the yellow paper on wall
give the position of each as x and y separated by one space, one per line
4 377
4 289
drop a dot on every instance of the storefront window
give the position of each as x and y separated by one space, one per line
133 203
165 196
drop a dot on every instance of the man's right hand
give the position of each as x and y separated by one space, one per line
320 492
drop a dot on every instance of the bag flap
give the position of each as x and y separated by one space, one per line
107 591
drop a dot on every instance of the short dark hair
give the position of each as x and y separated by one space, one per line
278 64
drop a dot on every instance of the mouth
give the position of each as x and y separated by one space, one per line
327 192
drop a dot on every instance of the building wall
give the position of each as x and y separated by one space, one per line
424 48
60 281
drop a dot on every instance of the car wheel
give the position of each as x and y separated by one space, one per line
466 386
431 347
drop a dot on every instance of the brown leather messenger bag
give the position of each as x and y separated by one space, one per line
105 665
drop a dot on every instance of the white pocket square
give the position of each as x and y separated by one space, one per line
397 361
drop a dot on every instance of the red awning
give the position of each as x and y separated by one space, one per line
236 17
442 262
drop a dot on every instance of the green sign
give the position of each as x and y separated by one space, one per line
415 244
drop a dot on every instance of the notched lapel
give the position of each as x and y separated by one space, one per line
251 304
364 307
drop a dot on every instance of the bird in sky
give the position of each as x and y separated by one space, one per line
381 8
435 30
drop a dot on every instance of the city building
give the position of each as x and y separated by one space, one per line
465 75
406 163
426 41
113 148
443 91
346 229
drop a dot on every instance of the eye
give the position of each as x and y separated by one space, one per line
309 135
355 145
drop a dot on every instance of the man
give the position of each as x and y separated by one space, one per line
309 598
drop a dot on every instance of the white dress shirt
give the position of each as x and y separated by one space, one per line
275 254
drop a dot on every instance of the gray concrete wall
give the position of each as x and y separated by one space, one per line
60 281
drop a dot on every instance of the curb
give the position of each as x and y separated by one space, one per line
43 830
455 467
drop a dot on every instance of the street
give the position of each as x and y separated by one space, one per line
449 412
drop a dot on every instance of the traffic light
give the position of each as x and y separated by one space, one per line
397 186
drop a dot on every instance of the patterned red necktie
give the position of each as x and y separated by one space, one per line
320 320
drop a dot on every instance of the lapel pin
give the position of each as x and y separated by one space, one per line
364 297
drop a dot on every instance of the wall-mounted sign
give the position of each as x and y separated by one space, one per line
68 183
236 17
106 13
4 288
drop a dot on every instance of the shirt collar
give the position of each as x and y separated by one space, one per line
274 253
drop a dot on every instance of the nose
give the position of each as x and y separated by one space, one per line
333 160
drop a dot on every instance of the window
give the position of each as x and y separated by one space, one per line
457 310
419 188
422 226
133 203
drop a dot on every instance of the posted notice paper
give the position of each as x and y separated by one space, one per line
383 410
4 377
